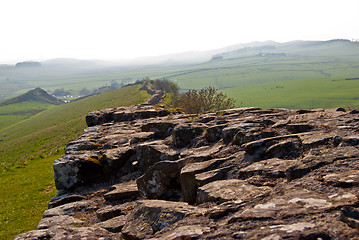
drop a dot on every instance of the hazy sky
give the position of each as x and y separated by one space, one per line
117 29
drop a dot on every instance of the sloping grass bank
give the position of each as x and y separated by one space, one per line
47 133
25 192
28 149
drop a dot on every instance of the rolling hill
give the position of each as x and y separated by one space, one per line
230 67
36 95
28 149
24 106
47 132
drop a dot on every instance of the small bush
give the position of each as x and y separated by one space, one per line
206 99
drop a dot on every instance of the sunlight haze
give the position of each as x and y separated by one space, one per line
112 29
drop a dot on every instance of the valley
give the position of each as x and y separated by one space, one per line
34 131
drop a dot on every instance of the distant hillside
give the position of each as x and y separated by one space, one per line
28 64
38 95
336 47
236 66
47 133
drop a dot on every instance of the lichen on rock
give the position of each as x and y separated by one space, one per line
144 172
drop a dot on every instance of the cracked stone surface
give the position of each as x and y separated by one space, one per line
145 172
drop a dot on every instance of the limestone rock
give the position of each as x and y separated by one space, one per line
66 199
150 216
91 119
111 211
343 179
298 128
122 191
243 137
140 137
250 173
214 133
184 232
189 184
226 190
114 225
161 181
75 170
350 216
273 167
287 146
63 220
183 135
350 141
293 202
161 129
71 208
151 152
117 158
317 139
65 233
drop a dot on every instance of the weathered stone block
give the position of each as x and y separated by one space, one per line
151 216
161 181
152 152
226 190
183 135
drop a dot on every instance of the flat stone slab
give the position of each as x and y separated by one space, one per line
184 232
298 128
316 139
151 216
71 208
273 167
150 153
117 157
65 233
189 184
63 220
343 179
114 225
233 189
66 199
122 191
293 202
110 211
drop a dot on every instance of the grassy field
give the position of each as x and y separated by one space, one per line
237 68
296 94
25 192
28 149
259 70
47 132
14 113
293 75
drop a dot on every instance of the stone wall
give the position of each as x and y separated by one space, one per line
143 172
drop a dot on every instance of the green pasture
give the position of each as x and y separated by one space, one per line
25 192
28 149
295 94
14 113
222 74
260 70
238 67
47 132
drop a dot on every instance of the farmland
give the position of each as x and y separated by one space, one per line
233 68
32 133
